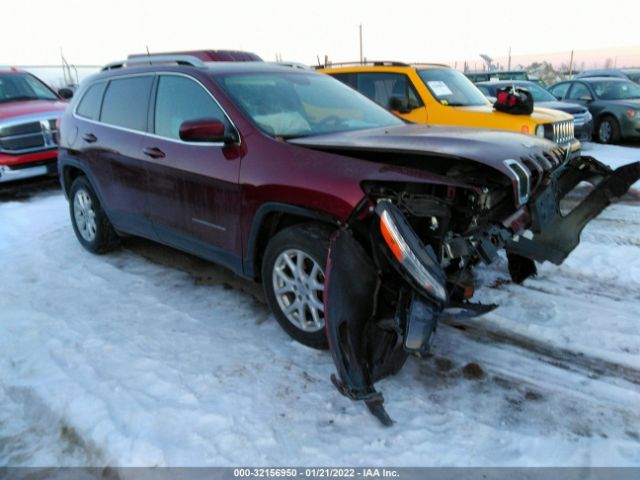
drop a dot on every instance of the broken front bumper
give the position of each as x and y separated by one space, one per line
367 345
555 235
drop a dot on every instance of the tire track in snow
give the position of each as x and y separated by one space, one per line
559 357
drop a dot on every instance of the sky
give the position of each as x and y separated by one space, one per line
96 32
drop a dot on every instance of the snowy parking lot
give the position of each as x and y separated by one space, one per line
149 357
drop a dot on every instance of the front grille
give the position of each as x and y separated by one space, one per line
563 132
523 180
29 136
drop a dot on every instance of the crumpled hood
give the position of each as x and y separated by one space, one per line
489 147
25 108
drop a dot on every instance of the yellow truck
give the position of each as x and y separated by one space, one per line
439 95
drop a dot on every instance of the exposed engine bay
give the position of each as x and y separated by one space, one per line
407 254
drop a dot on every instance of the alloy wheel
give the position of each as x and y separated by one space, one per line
298 284
604 132
85 215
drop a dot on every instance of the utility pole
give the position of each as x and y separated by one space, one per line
509 65
571 64
361 57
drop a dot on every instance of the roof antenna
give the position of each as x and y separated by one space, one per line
148 54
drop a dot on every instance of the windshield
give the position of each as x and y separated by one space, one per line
452 88
298 104
615 90
22 86
634 77
510 75
539 94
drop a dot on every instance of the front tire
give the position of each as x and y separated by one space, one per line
293 272
608 130
90 224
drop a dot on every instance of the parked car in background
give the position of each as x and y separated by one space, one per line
613 102
439 95
362 228
29 110
632 74
582 118
476 77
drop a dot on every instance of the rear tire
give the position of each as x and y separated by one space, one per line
608 130
293 271
90 224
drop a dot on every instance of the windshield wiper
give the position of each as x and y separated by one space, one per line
290 137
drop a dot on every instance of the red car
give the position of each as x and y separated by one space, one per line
362 228
29 110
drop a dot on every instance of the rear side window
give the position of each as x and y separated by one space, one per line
126 101
89 106
180 99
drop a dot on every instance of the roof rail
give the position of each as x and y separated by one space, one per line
430 64
296 65
155 59
375 63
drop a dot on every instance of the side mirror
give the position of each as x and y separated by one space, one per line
399 104
586 98
205 130
65 93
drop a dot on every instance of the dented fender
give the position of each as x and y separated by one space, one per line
364 345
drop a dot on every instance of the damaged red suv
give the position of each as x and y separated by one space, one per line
362 228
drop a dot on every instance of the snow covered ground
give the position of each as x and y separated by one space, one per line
147 356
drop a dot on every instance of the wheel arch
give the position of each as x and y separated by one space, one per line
604 114
70 169
271 218
69 174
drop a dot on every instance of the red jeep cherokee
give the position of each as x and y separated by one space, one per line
362 228
29 110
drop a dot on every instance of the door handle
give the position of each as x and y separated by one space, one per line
154 152
89 138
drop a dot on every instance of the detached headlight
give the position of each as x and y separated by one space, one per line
409 251
540 131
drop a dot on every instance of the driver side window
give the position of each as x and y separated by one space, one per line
559 91
381 87
180 99
577 91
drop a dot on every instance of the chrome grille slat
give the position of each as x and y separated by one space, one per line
28 137
563 132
